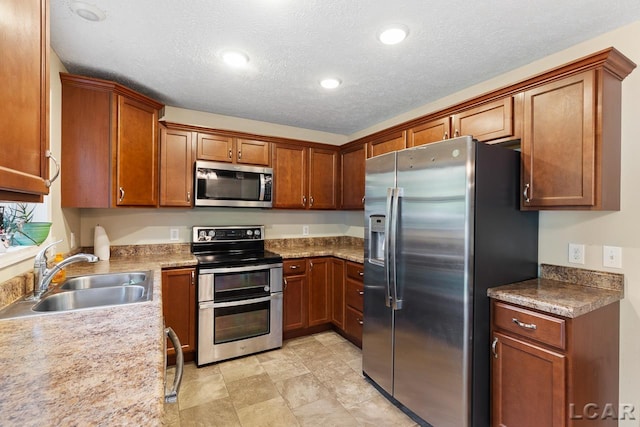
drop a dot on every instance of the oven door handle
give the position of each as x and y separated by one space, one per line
239 269
211 304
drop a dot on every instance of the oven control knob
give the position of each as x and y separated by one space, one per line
201 235
212 233
257 232
249 232
266 288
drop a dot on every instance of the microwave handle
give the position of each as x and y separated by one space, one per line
263 186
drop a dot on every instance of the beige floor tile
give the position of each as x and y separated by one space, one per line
351 389
285 353
243 367
251 390
346 350
378 411
297 341
324 413
279 370
270 413
356 365
311 350
328 367
201 390
301 390
217 413
191 371
171 415
329 337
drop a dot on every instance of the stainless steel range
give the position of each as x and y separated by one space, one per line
239 293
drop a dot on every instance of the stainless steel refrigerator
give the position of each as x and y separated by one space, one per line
442 224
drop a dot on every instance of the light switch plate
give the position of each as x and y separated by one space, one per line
612 256
576 253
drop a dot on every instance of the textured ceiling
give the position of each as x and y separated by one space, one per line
170 50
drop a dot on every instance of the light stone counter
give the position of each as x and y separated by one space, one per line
102 366
344 247
565 291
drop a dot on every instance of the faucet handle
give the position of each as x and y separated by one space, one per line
41 257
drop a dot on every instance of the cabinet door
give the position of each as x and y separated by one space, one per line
487 122
179 307
253 152
433 131
352 180
177 154
294 313
337 292
24 69
289 176
528 384
136 154
394 142
558 144
319 293
323 179
353 324
217 148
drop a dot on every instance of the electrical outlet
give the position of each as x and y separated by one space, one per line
612 256
576 253
174 234
305 230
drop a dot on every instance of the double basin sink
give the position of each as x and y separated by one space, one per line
89 291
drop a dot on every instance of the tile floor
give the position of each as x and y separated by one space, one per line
311 381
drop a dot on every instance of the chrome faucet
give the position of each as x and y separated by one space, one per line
43 275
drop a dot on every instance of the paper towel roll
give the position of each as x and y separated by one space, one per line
101 247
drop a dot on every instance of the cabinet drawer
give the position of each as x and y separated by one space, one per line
294 266
530 324
354 321
355 271
354 295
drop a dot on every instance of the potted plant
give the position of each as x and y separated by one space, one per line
17 222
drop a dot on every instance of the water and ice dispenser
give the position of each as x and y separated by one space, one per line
377 239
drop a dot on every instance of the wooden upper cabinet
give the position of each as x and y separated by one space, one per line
177 156
488 122
323 179
394 142
432 131
24 41
253 152
571 139
290 176
352 179
109 145
223 148
213 147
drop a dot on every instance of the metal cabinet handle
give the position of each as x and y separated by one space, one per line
230 153
363 200
360 321
293 267
48 182
193 278
524 325
285 283
361 273
311 201
445 136
304 200
310 265
456 133
239 154
525 193
493 347
188 196
360 292
172 395
121 194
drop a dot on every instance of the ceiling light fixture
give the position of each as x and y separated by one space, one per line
330 83
87 11
393 35
235 58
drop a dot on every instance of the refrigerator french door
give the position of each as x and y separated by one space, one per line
442 224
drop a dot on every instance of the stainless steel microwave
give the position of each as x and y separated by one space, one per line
225 184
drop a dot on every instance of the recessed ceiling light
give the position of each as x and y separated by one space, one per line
393 35
330 83
87 11
235 58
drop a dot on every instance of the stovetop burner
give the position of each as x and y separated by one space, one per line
231 246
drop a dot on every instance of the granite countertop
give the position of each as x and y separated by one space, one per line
565 291
348 248
102 366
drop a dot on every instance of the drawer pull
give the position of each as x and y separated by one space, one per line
524 325
493 347
360 292
360 273
360 322
293 267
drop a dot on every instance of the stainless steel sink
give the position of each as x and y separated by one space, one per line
86 292
96 297
105 280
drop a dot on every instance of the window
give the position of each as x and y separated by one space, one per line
14 250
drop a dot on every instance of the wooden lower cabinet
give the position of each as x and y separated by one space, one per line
294 307
179 309
554 371
337 292
319 291
354 300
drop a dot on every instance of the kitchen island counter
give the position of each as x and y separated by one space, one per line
564 291
101 366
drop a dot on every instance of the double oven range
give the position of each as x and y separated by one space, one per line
239 293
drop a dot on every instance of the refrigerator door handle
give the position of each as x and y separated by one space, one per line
397 301
387 249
